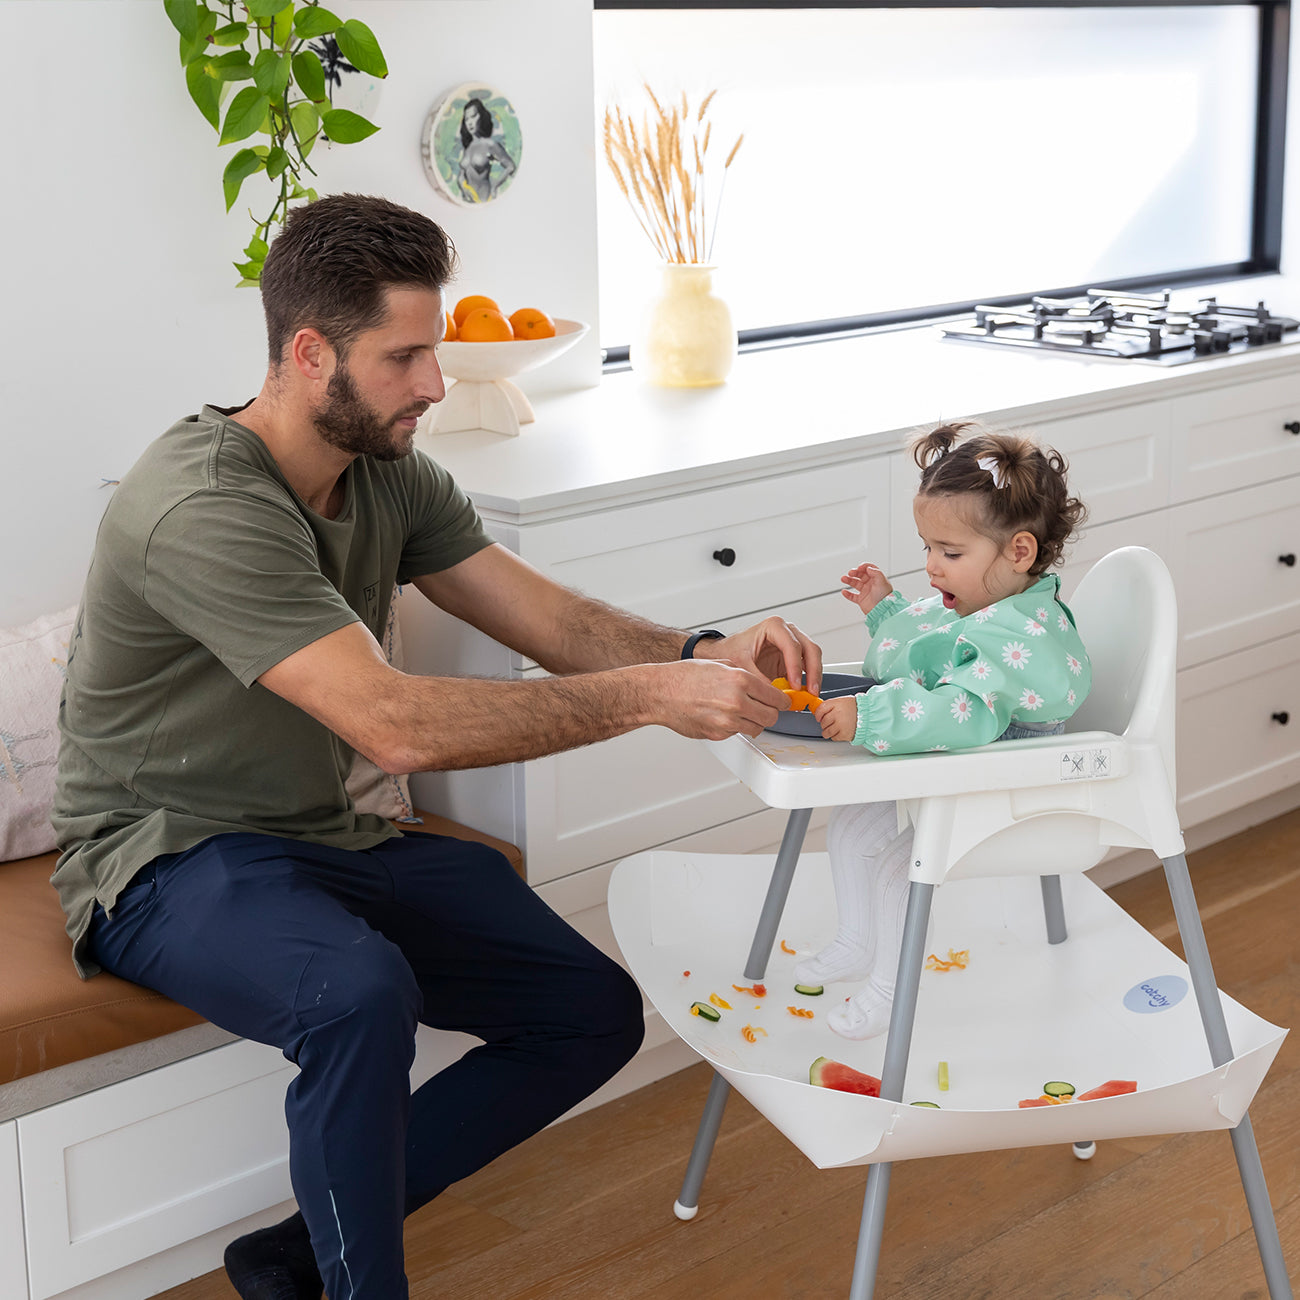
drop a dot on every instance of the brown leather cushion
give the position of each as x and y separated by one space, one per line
49 1016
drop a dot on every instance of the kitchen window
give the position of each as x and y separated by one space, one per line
906 162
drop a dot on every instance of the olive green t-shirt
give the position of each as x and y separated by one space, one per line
208 570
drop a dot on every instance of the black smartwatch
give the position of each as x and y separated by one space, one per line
708 634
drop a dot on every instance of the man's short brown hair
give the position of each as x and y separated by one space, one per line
330 266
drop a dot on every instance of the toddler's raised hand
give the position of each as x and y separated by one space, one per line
838 718
866 586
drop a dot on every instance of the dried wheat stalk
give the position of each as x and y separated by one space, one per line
663 176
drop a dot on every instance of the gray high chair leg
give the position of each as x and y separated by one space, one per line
1197 955
1053 909
778 889
897 1047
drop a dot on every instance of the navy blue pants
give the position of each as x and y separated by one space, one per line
334 957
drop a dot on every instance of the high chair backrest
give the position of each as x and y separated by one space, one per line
1127 617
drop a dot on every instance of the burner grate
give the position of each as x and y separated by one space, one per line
1114 323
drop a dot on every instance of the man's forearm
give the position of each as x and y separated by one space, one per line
591 635
441 724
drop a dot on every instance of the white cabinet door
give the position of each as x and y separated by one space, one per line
1238 729
1229 559
1232 437
122 1173
13 1250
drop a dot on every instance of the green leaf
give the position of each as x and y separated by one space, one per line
184 16
197 46
306 124
231 34
345 127
265 8
243 165
271 73
235 66
309 75
245 115
249 270
257 249
359 47
205 92
313 22
276 161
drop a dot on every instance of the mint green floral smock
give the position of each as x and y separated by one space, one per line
947 682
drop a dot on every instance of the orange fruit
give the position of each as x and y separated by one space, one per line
530 323
450 335
469 304
484 325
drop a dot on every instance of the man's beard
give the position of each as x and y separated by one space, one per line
347 421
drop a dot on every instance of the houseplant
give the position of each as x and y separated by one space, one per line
267 43
665 171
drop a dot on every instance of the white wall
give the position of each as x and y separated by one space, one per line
120 312
119 307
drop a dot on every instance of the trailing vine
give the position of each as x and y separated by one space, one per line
267 43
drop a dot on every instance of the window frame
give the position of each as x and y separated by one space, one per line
1265 256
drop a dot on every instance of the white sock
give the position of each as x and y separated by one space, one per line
841 960
864 1015
869 860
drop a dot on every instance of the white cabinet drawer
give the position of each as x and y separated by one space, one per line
1118 460
116 1175
791 537
13 1251
1233 587
1232 748
1118 465
617 797
1232 437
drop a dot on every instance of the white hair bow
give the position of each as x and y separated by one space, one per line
999 475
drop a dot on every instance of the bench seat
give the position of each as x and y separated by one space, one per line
49 1017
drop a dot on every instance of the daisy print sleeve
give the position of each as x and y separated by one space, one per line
960 682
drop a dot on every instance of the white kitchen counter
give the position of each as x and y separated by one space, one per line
816 403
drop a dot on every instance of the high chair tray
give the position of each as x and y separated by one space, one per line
1111 1002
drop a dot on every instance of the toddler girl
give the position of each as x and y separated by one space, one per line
993 656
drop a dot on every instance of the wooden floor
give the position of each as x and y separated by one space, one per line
584 1210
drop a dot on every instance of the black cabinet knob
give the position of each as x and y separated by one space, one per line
725 557
1282 717
1292 426
1288 559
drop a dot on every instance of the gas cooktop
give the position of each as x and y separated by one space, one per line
1129 326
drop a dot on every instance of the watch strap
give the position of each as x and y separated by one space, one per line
706 634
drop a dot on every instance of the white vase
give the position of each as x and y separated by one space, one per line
687 338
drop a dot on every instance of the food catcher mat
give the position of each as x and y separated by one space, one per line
1111 1002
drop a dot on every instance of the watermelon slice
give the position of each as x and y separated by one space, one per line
1111 1088
825 1073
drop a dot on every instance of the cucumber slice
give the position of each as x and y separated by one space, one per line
705 1012
1058 1088
810 990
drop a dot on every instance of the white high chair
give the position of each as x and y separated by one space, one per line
1001 810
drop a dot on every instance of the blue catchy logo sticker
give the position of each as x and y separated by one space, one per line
1158 994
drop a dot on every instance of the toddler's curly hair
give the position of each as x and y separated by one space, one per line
1033 496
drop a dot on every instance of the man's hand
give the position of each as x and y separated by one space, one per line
709 701
839 718
772 648
866 587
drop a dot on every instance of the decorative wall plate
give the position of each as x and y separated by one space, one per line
472 144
